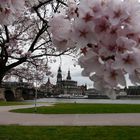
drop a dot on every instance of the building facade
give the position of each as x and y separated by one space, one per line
64 86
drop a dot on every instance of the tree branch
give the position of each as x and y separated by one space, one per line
7 33
16 63
37 37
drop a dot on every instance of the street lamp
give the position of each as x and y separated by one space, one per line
35 99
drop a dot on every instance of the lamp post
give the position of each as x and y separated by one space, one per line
38 77
35 99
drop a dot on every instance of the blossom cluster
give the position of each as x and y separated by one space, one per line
10 10
108 34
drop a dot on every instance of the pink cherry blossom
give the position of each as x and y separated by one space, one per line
125 44
32 2
99 82
10 10
114 77
72 10
89 61
63 45
129 61
82 33
60 27
116 12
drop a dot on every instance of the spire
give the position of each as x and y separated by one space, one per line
59 75
59 69
85 86
48 82
68 76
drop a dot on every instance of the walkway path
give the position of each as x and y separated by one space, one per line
7 118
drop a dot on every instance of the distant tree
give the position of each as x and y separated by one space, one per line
30 73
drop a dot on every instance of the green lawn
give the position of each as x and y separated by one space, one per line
4 103
84 109
69 133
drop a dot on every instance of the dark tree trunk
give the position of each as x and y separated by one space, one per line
2 74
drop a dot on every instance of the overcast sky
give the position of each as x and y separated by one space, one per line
66 64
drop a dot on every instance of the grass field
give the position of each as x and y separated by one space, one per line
84 109
69 133
3 103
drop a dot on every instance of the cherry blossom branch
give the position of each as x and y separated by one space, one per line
37 37
45 54
63 3
56 8
42 44
7 33
38 14
21 60
42 3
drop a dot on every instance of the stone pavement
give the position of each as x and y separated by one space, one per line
119 119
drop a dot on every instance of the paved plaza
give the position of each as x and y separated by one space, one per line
119 119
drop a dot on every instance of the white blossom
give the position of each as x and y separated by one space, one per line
108 32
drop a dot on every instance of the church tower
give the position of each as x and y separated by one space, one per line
48 82
59 75
69 76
